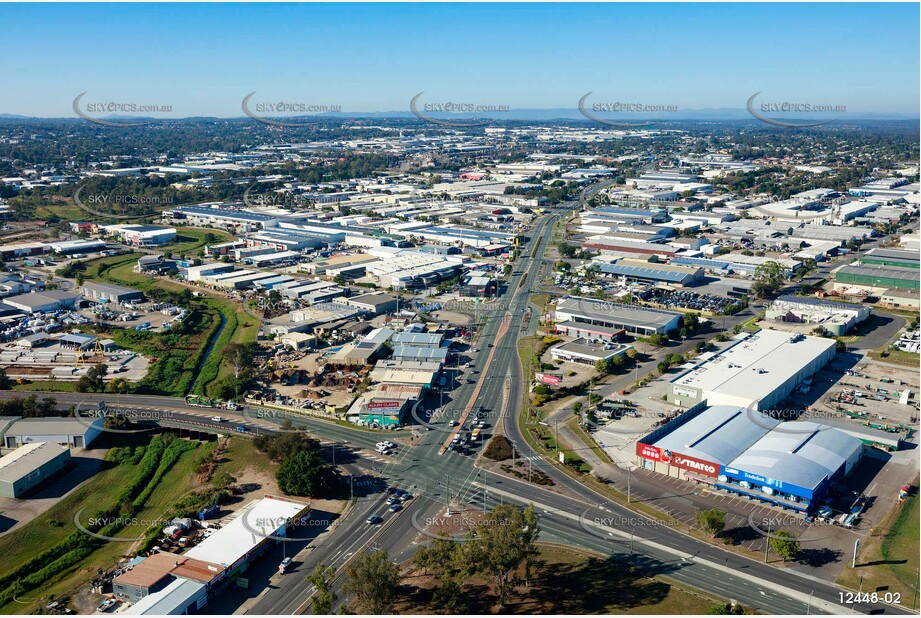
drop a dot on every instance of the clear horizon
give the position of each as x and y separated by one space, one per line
201 60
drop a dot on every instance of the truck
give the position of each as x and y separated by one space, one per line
209 512
200 401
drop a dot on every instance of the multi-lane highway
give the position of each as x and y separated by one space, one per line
571 513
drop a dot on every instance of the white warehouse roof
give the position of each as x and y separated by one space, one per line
718 434
755 367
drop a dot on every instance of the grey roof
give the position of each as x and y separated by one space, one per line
224 214
426 339
898 254
109 288
890 272
53 425
621 312
718 434
643 272
798 453
818 302
421 354
173 599
26 459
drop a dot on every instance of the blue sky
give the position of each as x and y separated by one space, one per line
204 58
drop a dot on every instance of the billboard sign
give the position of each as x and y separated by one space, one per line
647 451
693 464
385 406
546 378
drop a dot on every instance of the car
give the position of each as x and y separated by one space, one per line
398 493
283 567
374 519
396 506
454 423
108 603
392 499
241 428
406 497
217 419
391 490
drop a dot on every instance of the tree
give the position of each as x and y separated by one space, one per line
95 377
602 366
304 474
373 580
711 521
118 385
657 339
79 279
785 544
499 543
240 356
324 598
577 408
768 279
5 382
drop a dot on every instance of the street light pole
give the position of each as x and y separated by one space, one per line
809 603
767 542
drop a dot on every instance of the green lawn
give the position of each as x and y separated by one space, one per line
102 491
568 581
190 239
890 563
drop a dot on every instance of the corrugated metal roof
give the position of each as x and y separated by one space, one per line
798 453
718 434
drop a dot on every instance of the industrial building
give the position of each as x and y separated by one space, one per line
69 430
420 340
890 257
875 279
180 597
793 466
417 353
374 303
413 270
197 273
109 292
41 302
30 465
651 273
697 443
156 572
585 352
246 536
69 247
758 370
236 220
637 320
787 464
837 318
141 235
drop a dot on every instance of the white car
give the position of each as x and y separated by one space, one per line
217 419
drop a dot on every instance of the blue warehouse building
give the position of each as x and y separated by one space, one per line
793 466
